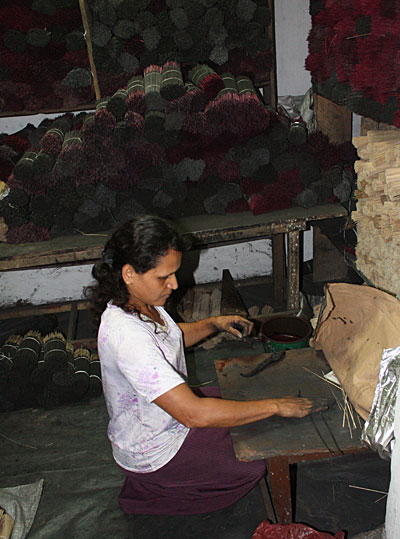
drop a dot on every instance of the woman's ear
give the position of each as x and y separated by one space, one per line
128 273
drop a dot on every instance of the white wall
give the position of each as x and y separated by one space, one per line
292 25
249 259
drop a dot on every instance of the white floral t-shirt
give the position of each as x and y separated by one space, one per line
139 363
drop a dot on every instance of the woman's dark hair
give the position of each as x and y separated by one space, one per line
140 242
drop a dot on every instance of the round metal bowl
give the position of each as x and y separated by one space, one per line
285 332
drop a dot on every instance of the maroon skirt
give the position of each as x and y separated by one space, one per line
203 476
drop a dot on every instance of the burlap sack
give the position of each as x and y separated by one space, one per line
356 325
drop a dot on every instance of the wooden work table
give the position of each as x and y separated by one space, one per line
204 231
284 441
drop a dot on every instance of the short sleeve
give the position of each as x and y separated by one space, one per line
148 366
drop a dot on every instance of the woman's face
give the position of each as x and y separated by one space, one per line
156 285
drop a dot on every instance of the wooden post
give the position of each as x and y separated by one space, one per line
271 31
279 269
88 39
279 482
293 270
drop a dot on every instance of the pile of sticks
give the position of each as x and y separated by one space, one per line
378 207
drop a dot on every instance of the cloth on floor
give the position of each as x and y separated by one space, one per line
21 504
203 476
266 530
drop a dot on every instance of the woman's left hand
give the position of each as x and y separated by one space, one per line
235 324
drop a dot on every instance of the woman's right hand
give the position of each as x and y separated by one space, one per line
294 407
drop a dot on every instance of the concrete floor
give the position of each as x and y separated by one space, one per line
68 448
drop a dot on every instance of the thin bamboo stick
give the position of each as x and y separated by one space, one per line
88 39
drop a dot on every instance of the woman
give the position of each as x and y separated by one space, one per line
173 445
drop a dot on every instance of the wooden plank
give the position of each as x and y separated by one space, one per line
33 310
333 120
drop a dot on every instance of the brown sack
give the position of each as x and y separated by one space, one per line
356 325
6 525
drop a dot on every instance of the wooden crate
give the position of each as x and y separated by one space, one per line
333 120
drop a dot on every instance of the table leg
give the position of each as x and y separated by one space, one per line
293 270
279 269
269 508
73 317
279 482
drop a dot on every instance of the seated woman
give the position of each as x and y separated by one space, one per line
173 445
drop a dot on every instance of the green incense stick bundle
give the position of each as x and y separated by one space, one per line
82 370
245 85
230 86
152 88
95 385
27 355
172 85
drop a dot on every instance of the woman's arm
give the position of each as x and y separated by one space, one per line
200 412
193 332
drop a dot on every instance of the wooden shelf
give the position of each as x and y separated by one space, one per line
203 230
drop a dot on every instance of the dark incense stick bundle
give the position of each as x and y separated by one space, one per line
55 355
207 79
64 379
88 134
172 86
135 120
117 104
104 120
15 388
23 170
55 360
52 140
154 123
27 355
43 163
7 353
252 116
221 111
95 385
71 158
193 100
38 375
82 370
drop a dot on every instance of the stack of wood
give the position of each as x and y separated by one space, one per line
200 302
378 208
